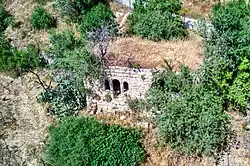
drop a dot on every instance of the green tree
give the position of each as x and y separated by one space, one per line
98 17
71 64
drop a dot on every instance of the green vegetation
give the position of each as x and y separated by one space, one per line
5 18
191 119
227 53
70 54
98 17
85 141
154 20
16 61
41 19
65 99
190 106
74 63
73 10
61 42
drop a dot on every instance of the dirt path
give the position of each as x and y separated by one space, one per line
27 124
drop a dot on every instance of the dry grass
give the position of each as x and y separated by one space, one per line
24 34
199 8
149 54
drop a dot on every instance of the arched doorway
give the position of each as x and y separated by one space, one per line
106 85
125 86
116 87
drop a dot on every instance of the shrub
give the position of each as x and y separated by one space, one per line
189 117
41 19
157 26
85 141
226 48
5 18
171 6
230 16
96 18
69 96
66 99
154 20
137 105
62 41
194 123
14 60
74 9
79 61
239 91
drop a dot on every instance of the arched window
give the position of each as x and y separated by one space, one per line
106 85
116 87
125 86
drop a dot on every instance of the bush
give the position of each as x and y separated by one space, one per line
230 16
73 67
157 26
66 99
194 123
62 41
14 60
226 48
239 91
85 141
189 117
74 9
41 19
96 18
5 18
79 61
154 20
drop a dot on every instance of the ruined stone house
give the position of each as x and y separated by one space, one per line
121 84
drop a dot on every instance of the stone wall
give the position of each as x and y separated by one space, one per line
109 96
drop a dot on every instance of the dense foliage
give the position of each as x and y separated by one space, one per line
85 141
227 50
155 19
17 61
188 116
61 42
41 19
74 9
70 54
79 61
72 63
98 17
66 98
190 106
5 18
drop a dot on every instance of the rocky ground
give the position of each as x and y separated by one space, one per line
23 121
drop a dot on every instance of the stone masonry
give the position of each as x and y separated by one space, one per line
121 84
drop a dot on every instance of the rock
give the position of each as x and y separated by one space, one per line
143 124
247 127
123 117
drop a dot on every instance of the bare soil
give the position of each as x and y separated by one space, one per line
23 121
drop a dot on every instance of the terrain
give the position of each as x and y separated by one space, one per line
24 122
24 130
